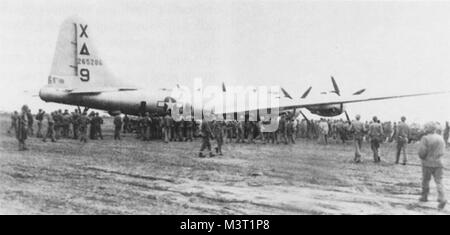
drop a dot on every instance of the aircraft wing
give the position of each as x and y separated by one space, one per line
286 104
350 99
84 91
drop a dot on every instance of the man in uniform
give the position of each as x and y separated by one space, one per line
358 130
431 149
117 126
66 123
50 129
290 130
22 123
189 125
240 130
250 127
93 127
14 117
323 130
218 128
30 123
206 132
126 124
180 129
376 136
57 117
282 128
75 123
167 127
83 124
39 119
99 127
401 134
229 130
147 123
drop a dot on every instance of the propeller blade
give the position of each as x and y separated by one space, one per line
346 115
224 89
336 88
304 116
306 92
286 94
359 92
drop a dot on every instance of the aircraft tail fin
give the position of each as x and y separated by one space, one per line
76 62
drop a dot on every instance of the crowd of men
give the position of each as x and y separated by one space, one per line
58 125
81 125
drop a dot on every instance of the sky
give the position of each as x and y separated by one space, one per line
385 47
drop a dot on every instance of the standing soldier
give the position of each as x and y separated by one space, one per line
83 124
181 125
401 133
251 127
376 136
140 127
218 128
30 123
14 117
99 127
75 123
117 126
66 123
92 129
230 130
50 128
323 130
167 127
126 124
282 128
240 131
189 125
39 119
431 150
290 130
171 126
358 129
206 133
22 123
57 117
147 125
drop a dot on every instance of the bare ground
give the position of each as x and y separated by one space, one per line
135 177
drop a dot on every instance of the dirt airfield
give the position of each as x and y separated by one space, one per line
135 177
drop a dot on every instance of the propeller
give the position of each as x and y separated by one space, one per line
286 94
338 92
306 93
335 86
304 116
346 115
359 92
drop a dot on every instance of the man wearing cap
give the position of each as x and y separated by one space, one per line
358 129
401 135
117 126
21 133
206 135
83 124
39 118
50 128
431 150
376 136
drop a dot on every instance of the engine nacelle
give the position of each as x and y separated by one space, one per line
114 112
327 110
